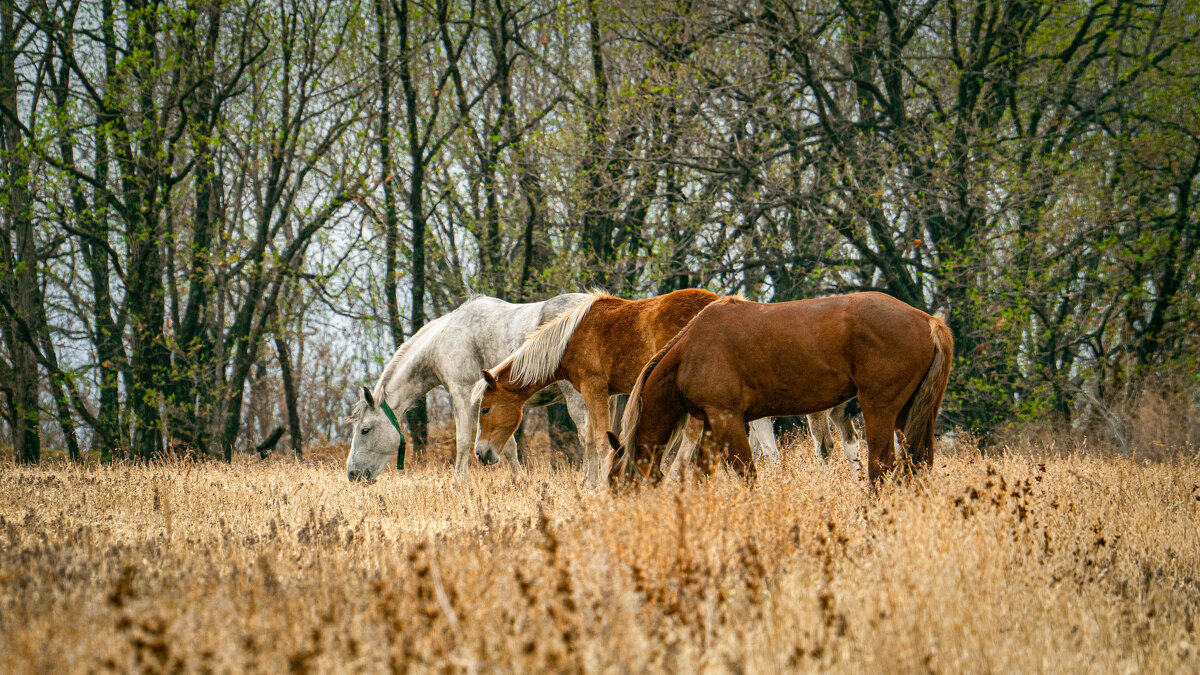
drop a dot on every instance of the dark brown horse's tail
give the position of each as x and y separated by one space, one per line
927 399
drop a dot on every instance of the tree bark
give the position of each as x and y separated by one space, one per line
418 417
387 176
20 270
290 394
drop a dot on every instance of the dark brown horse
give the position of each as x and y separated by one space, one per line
740 360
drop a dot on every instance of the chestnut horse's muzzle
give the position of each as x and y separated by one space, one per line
487 455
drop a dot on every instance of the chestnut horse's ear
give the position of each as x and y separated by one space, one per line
491 379
616 445
367 397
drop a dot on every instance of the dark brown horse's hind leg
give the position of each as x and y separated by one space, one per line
729 435
881 454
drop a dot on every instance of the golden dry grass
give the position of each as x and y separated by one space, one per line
1014 563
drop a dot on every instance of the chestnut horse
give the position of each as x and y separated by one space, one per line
739 360
600 346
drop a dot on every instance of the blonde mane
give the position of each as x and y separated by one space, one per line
539 356
477 392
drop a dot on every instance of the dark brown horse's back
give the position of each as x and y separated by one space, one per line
783 351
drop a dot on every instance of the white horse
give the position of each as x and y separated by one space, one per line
451 351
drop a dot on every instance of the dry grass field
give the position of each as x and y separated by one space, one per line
1025 560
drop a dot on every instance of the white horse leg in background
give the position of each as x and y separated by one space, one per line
851 445
762 440
822 437
577 410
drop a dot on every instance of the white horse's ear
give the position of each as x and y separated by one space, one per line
491 379
367 397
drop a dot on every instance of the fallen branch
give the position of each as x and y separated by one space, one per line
269 444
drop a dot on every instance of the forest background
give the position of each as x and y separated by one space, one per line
220 217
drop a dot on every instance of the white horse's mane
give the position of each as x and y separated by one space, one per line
401 352
540 355
380 392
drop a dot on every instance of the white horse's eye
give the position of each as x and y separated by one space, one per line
366 431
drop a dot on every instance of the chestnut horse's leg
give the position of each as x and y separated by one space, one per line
729 435
881 423
595 397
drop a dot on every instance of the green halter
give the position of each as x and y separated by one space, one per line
387 410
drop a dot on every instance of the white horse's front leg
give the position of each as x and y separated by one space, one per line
762 440
464 430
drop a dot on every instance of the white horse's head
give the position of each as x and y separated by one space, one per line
375 439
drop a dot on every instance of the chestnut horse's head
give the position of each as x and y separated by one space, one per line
499 416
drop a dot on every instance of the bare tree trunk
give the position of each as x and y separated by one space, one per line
387 176
110 351
289 393
418 417
23 291
597 224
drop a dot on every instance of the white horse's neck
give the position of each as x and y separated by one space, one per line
409 374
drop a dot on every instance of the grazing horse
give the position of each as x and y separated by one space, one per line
739 360
599 347
450 351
